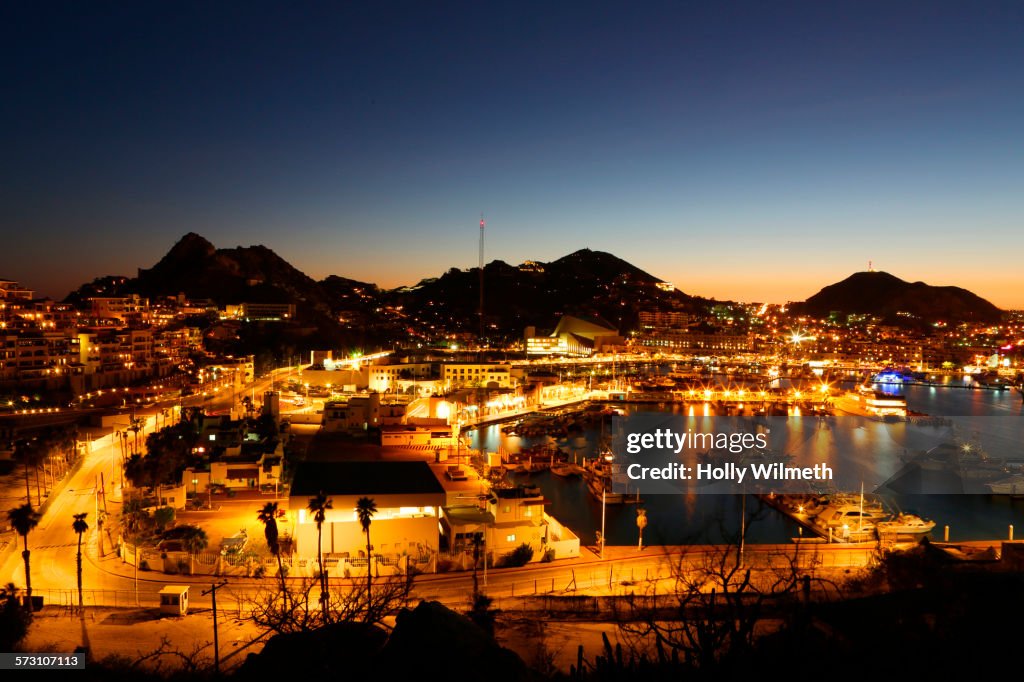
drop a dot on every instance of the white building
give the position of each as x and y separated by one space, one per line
405 527
466 375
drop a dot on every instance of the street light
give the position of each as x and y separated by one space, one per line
641 523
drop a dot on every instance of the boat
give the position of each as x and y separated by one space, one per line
976 465
565 470
684 375
802 506
904 527
939 458
600 489
598 473
849 518
1012 485
893 376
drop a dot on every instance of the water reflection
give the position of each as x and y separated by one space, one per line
879 449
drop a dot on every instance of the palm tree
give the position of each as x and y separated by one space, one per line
68 445
268 517
365 509
24 519
28 452
318 506
194 540
80 526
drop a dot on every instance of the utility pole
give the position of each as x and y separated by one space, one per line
135 555
103 491
216 643
99 515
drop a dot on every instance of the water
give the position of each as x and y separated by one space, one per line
686 519
971 517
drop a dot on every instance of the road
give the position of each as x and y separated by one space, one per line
53 546
53 543
624 570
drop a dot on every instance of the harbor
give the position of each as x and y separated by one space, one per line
850 519
673 520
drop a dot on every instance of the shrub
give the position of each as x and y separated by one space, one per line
520 556
482 614
14 620
163 517
549 555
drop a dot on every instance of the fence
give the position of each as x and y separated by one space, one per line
248 564
568 589
93 598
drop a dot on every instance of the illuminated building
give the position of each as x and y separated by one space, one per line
573 337
408 498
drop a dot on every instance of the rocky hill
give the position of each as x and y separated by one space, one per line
896 301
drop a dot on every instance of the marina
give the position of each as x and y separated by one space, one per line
980 514
846 518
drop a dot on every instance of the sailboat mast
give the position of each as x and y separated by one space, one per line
860 521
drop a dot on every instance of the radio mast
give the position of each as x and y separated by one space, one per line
480 339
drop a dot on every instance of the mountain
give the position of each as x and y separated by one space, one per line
898 302
252 274
195 267
585 282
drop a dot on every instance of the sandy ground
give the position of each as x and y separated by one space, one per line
134 632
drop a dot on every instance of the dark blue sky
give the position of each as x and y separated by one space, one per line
751 151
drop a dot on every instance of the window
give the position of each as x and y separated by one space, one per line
510 538
507 509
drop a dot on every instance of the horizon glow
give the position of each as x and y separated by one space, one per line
751 153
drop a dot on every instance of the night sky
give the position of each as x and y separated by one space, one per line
751 152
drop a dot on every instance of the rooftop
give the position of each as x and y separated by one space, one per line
364 478
519 492
468 514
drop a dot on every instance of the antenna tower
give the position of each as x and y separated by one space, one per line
480 339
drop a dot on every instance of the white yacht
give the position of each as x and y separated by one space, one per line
849 518
905 527
1013 485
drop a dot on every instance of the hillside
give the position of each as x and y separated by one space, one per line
583 283
897 301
